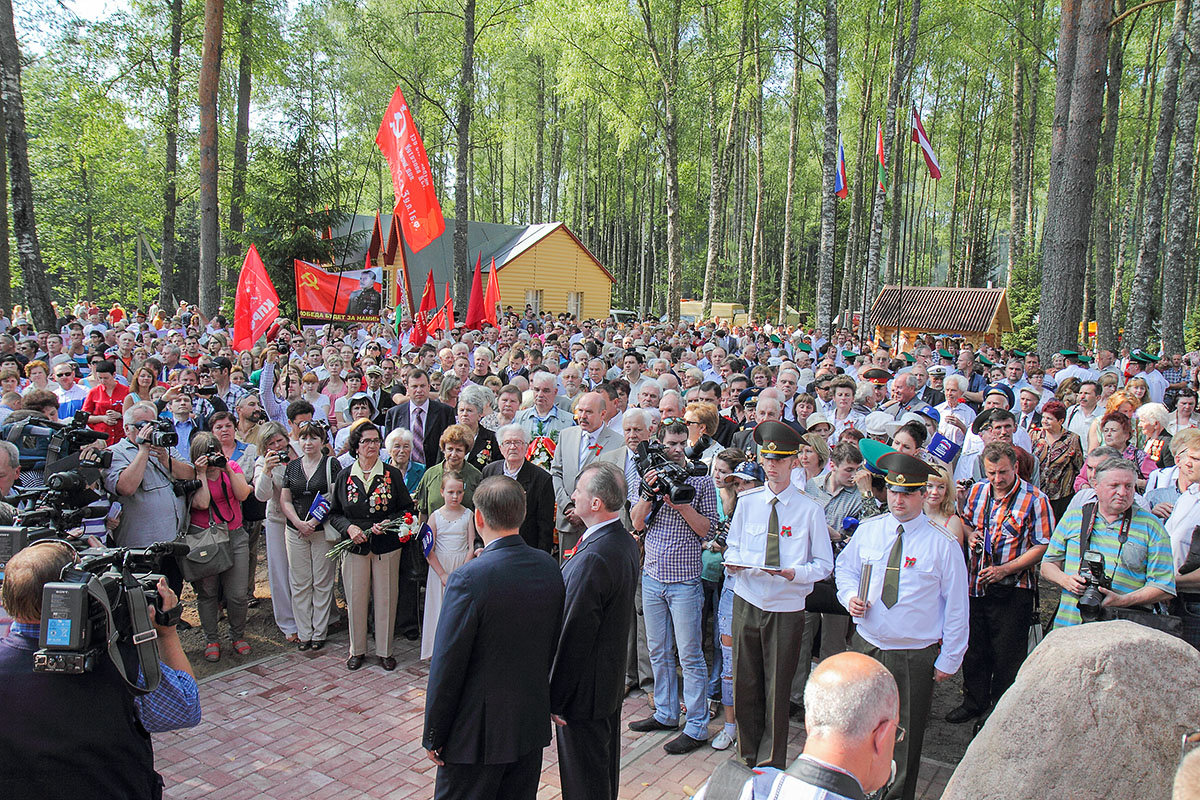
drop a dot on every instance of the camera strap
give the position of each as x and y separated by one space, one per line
143 637
1088 525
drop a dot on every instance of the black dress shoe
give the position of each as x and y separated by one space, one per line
796 711
412 636
651 724
388 663
683 744
303 645
960 715
318 644
354 662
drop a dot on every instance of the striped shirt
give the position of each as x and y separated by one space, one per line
1012 525
672 547
1144 559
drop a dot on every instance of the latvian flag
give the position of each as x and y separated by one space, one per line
879 154
840 187
319 508
918 136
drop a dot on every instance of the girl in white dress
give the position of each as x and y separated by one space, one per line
453 528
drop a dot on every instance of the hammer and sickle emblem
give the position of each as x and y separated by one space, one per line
309 281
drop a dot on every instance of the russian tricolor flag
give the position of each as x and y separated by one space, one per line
840 186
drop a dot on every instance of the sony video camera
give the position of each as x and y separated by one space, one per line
1091 601
107 600
672 481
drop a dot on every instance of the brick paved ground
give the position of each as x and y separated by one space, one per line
301 726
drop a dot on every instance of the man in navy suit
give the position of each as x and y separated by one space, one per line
487 709
587 683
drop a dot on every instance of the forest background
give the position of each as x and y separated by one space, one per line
691 144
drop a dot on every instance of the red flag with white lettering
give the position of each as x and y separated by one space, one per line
416 201
256 305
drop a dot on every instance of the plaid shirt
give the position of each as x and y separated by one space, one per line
672 547
1020 520
846 503
173 705
233 395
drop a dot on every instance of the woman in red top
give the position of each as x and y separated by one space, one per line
104 402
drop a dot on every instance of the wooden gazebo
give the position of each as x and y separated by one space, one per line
977 315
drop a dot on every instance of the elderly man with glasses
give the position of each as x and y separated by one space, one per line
538 527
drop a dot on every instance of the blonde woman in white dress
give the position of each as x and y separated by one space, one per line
453 528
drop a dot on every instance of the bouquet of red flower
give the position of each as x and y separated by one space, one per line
403 528
541 452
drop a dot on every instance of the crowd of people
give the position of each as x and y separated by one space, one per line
792 493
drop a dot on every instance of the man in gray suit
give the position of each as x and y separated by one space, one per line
580 445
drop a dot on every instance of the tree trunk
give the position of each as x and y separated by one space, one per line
1137 321
168 281
6 297
1105 222
904 59
29 251
1066 242
828 172
1016 196
1179 217
210 223
539 167
556 147
241 139
462 186
756 242
720 154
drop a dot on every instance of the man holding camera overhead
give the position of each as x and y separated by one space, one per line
779 546
143 476
83 735
672 597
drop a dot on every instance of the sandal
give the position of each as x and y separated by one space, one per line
241 647
212 651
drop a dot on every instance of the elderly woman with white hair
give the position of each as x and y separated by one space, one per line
398 452
538 528
475 403
1152 422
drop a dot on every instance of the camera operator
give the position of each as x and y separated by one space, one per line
1135 548
40 404
672 595
143 477
81 735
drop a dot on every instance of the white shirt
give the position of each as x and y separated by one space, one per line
1075 371
803 545
932 602
1183 520
1079 422
960 410
1157 384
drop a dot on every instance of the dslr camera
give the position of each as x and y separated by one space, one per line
1091 601
672 480
217 458
163 434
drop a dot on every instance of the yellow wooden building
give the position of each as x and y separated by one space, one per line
543 266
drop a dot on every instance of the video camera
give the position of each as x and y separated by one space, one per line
104 603
672 479
1091 600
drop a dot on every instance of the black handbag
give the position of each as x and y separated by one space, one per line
209 549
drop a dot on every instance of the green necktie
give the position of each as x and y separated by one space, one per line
772 559
891 577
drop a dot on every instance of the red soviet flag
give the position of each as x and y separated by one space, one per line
475 315
492 299
256 305
421 319
417 205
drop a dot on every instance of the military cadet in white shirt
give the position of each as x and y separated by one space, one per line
904 580
778 544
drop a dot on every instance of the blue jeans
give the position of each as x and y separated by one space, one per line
674 617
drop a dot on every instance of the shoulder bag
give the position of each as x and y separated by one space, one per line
209 550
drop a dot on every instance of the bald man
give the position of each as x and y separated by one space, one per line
852 711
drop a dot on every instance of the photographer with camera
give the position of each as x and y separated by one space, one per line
1109 554
675 510
81 735
143 475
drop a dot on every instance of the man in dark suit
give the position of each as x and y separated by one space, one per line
381 399
538 528
424 416
587 683
487 709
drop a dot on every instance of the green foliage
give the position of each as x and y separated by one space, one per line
1024 298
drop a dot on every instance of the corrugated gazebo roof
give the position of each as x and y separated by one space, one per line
942 309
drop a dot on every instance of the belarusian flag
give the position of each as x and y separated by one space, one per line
879 153
840 187
918 136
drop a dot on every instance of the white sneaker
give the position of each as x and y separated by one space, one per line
723 741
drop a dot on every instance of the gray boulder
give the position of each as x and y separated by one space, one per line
1097 711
